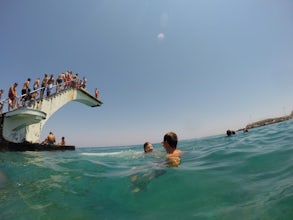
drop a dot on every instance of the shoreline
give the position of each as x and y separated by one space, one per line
268 121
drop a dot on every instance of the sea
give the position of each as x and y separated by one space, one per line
246 176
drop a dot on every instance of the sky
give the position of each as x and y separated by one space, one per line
194 67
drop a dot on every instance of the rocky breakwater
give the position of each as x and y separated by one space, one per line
269 121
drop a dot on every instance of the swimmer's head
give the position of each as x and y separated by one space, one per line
171 139
148 147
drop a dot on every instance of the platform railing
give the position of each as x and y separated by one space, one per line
38 94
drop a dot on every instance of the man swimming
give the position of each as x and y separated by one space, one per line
170 145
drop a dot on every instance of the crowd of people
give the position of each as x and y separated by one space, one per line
42 89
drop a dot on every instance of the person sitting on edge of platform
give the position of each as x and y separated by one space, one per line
62 143
50 139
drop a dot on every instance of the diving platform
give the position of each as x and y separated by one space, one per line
21 128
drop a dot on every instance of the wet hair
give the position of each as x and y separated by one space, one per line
229 132
145 146
171 139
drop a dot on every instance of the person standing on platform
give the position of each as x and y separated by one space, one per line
25 90
96 93
50 85
44 85
12 97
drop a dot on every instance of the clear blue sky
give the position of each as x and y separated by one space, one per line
194 67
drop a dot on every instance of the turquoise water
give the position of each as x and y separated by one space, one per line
247 176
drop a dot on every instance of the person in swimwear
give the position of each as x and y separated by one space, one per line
50 139
12 97
44 85
62 143
96 93
37 83
173 154
25 88
50 85
230 132
148 147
